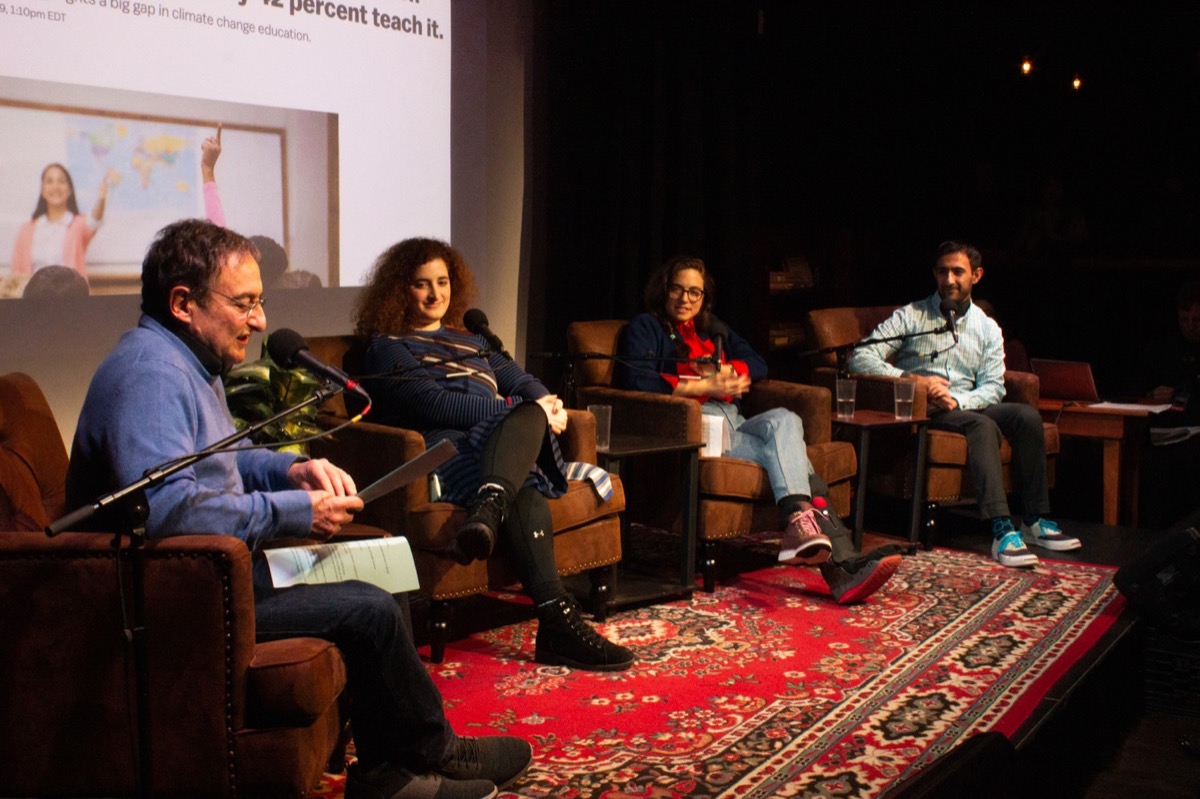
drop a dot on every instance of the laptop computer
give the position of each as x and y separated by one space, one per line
1065 380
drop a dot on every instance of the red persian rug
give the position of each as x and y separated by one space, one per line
768 688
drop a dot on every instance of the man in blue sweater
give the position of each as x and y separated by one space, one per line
159 396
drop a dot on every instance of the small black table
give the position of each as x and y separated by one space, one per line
632 588
860 425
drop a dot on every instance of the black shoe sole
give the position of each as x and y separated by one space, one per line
554 659
474 542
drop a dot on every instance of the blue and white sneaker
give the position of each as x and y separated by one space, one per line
1045 533
1008 548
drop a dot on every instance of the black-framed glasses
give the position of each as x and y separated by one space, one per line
675 291
248 308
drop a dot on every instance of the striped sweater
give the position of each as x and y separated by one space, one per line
436 382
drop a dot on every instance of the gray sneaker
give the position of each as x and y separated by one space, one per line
497 758
387 782
1046 533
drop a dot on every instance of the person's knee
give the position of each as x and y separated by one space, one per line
1028 417
376 614
980 430
531 513
529 413
785 423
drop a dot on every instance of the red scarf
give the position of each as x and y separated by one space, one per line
698 348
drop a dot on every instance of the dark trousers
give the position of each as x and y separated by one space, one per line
395 708
1021 424
519 442
1170 483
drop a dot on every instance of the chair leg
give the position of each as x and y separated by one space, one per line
928 525
439 629
602 580
708 565
337 759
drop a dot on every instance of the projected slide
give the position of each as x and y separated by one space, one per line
333 121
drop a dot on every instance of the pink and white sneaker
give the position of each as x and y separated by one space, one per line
803 543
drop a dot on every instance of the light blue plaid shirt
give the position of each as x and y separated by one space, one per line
974 366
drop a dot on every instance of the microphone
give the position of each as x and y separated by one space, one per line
289 349
719 331
476 321
950 311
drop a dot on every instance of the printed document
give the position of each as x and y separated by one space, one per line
385 562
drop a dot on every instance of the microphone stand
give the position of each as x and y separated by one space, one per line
133 508
569 390
842 351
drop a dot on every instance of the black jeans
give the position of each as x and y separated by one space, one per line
395 708
1021 424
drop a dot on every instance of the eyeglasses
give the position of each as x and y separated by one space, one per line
248 308
675 291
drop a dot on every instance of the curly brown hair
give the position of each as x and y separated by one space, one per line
384 304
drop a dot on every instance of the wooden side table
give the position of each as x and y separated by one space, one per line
860 426
632 588
1120 428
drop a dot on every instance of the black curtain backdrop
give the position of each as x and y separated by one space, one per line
860 135
651 149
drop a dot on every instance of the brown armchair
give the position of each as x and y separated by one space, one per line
587 530
734 495
892 470
227 716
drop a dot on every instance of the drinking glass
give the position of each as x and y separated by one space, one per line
904 398
846 389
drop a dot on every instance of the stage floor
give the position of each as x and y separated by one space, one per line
1097 733
1074 742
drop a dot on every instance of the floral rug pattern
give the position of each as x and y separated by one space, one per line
767 688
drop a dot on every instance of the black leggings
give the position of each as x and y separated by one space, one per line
519 442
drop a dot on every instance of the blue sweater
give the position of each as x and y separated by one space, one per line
647 348
152 400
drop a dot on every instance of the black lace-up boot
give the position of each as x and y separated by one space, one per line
477 537
564 638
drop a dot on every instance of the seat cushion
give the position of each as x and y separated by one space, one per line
733 478
291 683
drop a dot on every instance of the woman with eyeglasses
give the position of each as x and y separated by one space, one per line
679 347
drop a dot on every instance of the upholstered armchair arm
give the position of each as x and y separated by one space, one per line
645 413
811 403
1021 387
578 441
875 391
368 451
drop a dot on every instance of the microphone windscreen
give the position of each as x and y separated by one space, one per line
947 306
283 344
475 321
718 328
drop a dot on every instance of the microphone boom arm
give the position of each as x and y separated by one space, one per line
156 474
842 351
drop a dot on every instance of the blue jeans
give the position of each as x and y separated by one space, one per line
395 708
774 440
